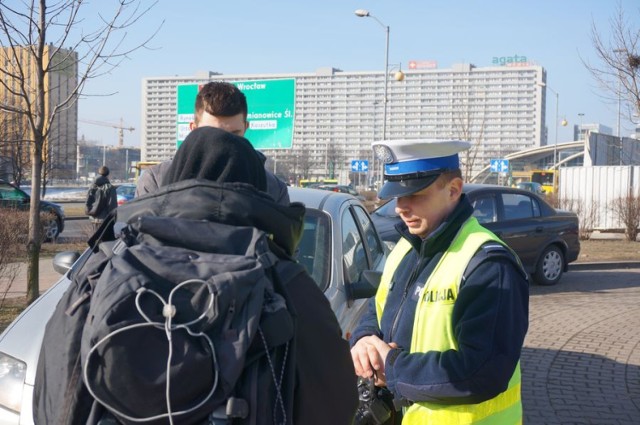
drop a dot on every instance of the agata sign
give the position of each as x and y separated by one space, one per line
511 61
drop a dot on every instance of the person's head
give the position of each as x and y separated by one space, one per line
217 155
103 171
425 178
221 105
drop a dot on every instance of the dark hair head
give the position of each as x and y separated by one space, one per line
220 99
103 171
217 155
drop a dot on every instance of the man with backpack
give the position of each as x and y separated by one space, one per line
101 198
198 313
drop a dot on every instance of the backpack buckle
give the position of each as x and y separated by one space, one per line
235 408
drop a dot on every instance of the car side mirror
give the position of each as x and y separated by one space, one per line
63 261
367 286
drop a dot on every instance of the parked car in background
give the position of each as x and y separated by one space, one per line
12 197
340 188
338 246
125 192
545 239
531 187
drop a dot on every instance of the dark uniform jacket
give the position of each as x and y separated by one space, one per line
490 320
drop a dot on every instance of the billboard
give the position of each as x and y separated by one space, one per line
271 105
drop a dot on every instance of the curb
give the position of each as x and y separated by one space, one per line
604 265
76 217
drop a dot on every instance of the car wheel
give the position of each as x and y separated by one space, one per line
51 229
550 266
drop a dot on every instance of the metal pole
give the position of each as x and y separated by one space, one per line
617 51
555 146
384 100
386 85
618 125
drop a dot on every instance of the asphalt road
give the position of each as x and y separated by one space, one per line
75 228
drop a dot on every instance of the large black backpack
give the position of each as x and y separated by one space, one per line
152 332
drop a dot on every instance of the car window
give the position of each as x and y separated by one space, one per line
484 209
387 210
517 206
373 242
126 190
353 254
314 250
11 193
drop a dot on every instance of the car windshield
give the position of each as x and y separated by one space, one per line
8 192
127 190
387 210
315 248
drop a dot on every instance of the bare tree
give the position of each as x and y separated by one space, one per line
588 215
618 70
41 38
469 125
627 209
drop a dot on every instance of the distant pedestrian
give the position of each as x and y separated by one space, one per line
101 198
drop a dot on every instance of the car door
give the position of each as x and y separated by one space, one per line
362 250
519 225
11 197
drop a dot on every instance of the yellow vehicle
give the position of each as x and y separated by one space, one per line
547 178
521 176
311 183
143 165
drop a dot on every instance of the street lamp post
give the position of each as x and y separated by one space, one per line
581 114
362 13
617 51
555 145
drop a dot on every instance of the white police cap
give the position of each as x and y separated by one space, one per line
412 165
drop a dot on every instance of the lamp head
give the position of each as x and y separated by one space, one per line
398 76
362 13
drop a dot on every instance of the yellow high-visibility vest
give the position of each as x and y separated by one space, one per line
433 331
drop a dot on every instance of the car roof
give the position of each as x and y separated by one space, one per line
477 187
316 198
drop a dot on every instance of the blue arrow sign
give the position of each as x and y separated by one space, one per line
359 165
499 166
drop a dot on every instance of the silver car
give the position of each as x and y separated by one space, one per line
339 248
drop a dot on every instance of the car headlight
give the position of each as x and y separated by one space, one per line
12 374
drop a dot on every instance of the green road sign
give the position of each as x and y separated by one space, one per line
271 111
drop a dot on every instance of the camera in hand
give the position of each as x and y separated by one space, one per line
376 404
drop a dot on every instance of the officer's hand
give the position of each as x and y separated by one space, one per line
383 350
366 358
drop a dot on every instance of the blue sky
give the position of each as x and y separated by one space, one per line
247 37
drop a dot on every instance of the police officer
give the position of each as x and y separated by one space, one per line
445 330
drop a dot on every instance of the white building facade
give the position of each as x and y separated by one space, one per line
338 114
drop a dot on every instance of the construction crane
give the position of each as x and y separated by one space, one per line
120 128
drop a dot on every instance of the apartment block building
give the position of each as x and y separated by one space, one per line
338 114
59 151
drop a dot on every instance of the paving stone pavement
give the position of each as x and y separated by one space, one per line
581 359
